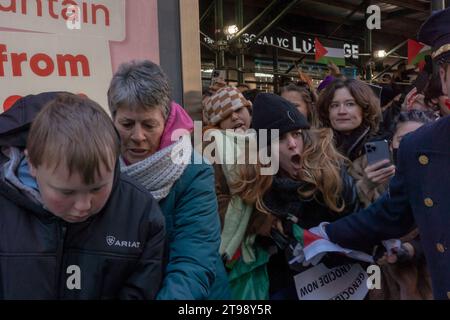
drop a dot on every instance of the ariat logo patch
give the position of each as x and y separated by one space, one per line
112 241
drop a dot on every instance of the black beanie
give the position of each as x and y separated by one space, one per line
271 111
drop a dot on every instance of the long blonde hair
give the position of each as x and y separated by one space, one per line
320 170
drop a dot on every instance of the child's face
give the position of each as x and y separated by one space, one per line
238 120
67 196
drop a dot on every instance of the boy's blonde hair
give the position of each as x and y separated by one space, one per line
76 131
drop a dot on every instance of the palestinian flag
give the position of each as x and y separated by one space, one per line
325 55
315 247
417 52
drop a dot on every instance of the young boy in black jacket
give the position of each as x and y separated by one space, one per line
71 227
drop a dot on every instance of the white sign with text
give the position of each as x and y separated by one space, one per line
99 18
35 63
347 282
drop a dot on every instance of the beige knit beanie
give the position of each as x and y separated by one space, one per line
222 104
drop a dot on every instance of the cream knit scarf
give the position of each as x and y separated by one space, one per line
161 170
238 212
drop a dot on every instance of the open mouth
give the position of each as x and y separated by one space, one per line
138 151
238 126
295 159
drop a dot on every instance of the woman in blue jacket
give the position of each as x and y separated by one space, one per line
157 152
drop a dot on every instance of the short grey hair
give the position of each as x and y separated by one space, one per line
140 84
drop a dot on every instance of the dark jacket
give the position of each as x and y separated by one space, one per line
117 253
352 146
418 194
15 123
282 199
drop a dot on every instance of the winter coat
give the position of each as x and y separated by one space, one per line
418 195
115 254
194 270
352 146
118 252
393 287
282 200
367 191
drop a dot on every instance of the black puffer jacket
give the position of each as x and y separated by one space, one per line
116 254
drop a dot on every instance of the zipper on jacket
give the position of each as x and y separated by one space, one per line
62 230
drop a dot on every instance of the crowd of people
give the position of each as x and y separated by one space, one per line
125 207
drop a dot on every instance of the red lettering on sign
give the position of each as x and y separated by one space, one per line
38 7
9 102
11 7
94 15
51 10
3 59
49 65
73 61
64 11
43 65
16 61
85 9
57 9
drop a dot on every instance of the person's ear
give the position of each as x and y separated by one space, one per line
443 76
30 165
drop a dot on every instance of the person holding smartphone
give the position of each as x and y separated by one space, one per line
418 193
352 110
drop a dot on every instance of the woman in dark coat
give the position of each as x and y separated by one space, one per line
351 109
309 188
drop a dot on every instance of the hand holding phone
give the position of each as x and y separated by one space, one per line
377 151
380 168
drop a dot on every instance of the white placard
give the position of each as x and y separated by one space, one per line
99 18
347 282
35 63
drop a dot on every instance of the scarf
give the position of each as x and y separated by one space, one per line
238 212
160 171
283 198
351 145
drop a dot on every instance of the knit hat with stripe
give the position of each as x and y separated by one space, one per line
222 104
